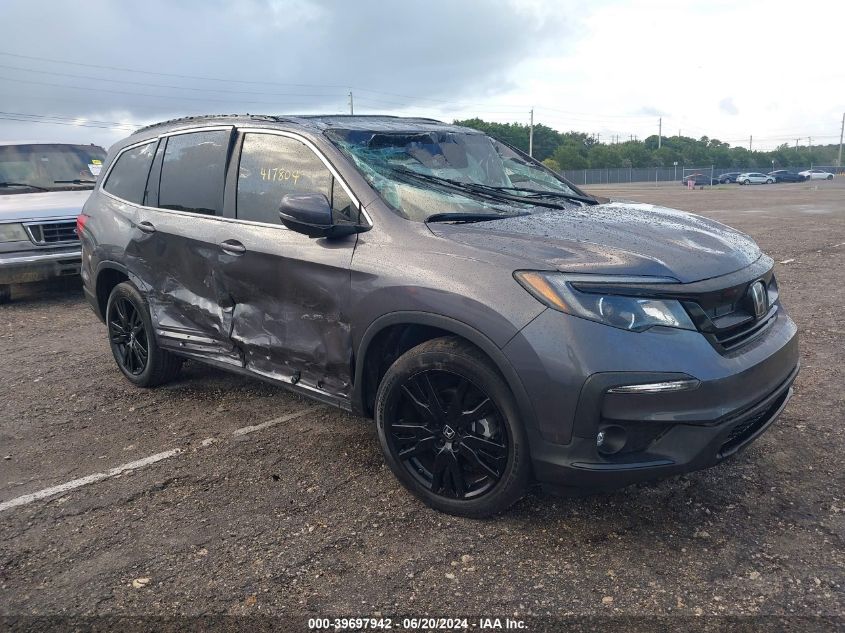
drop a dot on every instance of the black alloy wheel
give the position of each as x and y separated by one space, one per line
132 340
128 337
450 430
448 434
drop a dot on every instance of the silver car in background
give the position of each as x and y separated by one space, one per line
816 174
754 178
42 189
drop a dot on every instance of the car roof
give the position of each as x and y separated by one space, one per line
315 123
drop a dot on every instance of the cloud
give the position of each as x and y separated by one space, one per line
727 106
302 55
650 111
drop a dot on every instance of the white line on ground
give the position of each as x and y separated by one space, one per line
266 425
90 479
146 461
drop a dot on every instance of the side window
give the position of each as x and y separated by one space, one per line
128 177
272 166
193 172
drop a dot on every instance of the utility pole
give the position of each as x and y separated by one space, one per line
598 138
796 143
841 135
660 133
750 139
531 135
351 104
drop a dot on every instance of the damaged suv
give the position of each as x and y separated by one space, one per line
501 326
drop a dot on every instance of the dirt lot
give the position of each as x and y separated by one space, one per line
301 518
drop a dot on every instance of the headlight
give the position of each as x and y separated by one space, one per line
12 233
557 291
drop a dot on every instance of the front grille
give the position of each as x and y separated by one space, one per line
53 232
739 335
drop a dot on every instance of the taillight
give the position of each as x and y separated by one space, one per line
81 219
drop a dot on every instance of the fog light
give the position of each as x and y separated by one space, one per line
600 438
611 439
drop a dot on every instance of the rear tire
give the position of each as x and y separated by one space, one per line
449 429
132 339
5 293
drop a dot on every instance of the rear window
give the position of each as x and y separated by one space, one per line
128 178
193 172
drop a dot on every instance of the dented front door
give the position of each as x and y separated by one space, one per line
289 318
290 293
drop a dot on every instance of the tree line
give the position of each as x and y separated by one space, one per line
579 150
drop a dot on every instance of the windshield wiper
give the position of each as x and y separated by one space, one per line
489 191
23 184
471 217
539 193
76 181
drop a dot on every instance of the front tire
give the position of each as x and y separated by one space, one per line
133 342
830 177
770 181
449 429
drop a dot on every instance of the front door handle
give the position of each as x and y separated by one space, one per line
233 247
146 227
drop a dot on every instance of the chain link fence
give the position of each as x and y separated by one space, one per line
614 175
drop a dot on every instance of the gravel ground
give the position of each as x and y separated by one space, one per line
302 518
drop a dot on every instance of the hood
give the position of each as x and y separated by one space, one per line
42 205
615 238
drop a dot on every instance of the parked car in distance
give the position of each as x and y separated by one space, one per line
728 177
699 180
498 323
42 189
816 174
754 178
784 175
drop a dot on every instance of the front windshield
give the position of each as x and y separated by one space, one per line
424 174
54 167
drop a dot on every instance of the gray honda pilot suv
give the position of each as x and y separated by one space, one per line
499 324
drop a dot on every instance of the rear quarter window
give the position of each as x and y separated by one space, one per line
128 178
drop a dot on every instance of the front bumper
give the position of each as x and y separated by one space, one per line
28 266
568 365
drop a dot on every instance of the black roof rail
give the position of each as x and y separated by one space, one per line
276 118
208 117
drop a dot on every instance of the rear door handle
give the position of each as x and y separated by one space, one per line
146 227
233 247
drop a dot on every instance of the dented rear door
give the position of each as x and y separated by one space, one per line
177 245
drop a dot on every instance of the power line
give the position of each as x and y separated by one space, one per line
72 119
101 127
168 86
154 96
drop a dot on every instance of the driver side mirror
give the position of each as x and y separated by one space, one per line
311 215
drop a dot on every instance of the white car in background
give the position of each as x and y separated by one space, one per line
42 189
816 174
754 178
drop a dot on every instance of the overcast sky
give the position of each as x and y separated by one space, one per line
725 69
